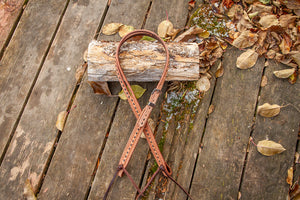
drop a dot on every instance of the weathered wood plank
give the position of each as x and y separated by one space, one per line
9 14
77 152
122 126
36 132
265 177
220 162
145 63
22 59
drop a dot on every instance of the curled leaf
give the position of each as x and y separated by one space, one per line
268 21
165 28
61 119
269 148
246 39
247 59
220 70
286 73
112 28
203 84
28 193
290 174
137 90
267 110
124 30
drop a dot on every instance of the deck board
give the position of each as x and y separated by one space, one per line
9 15
267 175
220 162
22 59
36 133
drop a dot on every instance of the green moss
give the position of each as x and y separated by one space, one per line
205 18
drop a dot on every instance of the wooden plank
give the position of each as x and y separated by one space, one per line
220 162
72 166
121 129
265 177
36 133
145 63
22 59
9 14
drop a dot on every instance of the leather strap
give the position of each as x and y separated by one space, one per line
142 118
141 115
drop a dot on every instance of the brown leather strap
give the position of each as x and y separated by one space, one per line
141 115
142 118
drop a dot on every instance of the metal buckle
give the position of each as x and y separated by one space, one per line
151 104
155 89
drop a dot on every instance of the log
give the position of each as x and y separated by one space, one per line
143 61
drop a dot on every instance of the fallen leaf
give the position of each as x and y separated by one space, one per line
285 73
297 158
296 58
192 4
137 90
204 34
203 84
28 193
194 30
265 1
264 81
289 178
80 72
293 78
148 38
61 119
291 4
220 70
247 59
100 87
271 54
285 44
124 30
268 21
269 148
211 109
246 39
165 28
286 20
267 110
112 28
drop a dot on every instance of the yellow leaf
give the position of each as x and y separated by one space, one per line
61 119
124 30
137 90
284 73
165 28
290 174
267 110
205 34
247 59
112 28
203 84
269 148
28 191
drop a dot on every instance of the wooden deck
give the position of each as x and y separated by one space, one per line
42 45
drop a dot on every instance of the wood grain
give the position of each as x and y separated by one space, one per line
9 13
267 175
143 61
22 59
36 133
220 162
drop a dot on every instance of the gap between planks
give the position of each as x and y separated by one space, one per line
33 83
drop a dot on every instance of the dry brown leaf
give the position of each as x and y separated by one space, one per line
267 110
291 4
203 84
211 109
268 21
220 70
260 8
189 33
100 87
264 81
296 58
290 174
286 20
269 148
247 59
112 28
124 30
80 72
285 73
28 193
285 44
271 54
246 39
61 119
165 28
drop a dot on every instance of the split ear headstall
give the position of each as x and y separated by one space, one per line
142 116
